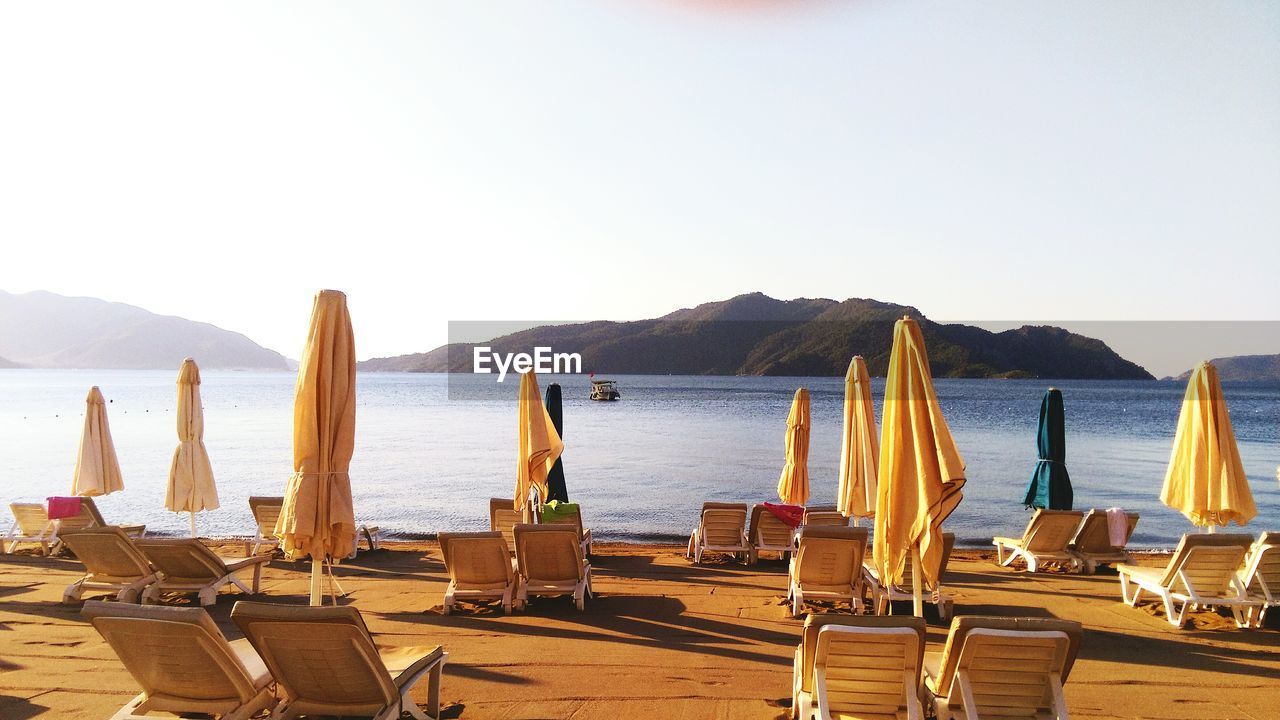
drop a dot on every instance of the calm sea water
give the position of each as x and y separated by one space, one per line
641 467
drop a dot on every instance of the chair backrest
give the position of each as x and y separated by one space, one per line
866 671
477 561
723 524
32 518
90 508
831 556
108 552
1008 659
323 657
266 511
503 517
182 558
177 655
549 553
1206 563
816 621
1094 536
1262 571
569 514
824 516
1051 530
767 529
89 517
948 544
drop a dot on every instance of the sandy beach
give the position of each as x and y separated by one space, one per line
662 638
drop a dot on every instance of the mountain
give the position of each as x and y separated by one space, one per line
755 334
41 329
1244 368
8 363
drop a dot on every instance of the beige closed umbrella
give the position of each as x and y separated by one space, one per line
317 518
97 467
859 449
539 445
191 486
793 483
1206 480
921 472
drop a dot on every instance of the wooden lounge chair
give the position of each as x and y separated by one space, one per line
1092 543
503 517
1202 572
1003 668
828 566
112 562
183 662
573 519
882 594
767 533
722 527
31 525
266 511
1044 541
824 516
326 663
1261 576
188 566
551 563
479 566
858 667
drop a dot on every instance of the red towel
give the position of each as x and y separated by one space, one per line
63 507
792 515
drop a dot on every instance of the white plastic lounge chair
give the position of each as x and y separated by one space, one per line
1092 543
1003 668
503 517
1044 541
722 527
574 520
112 562
183 663
479 566
824 516
767 533
326 663
31 525
188 566
870 667
1262 575
551 563
91 517
882 595
1201 573
828 566
266 511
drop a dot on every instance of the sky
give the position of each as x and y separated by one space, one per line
617 159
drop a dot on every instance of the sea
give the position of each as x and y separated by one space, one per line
432 449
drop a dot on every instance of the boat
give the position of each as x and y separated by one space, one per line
605 390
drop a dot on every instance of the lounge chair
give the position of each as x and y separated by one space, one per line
828 566
1044 541
767 533
91 517
266 511
1092 543
858 667
183 662
1202 572
503 517
31 525
1261 575
188 566
326 663
1003 667
112 562
569 514
722 527
551 563
824 516
479 566
882 594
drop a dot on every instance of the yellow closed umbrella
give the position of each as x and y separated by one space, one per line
539 444
97 467
191 487
921 472
317 518
1206 480
793 484
859 452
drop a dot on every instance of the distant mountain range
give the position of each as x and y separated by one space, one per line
44 330
1244 368
758 335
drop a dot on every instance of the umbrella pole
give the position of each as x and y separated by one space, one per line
317 576
917 593
193 523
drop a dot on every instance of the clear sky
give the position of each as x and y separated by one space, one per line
582 159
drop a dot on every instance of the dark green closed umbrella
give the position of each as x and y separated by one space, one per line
1050 486
556 489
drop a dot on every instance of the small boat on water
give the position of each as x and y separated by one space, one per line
605 390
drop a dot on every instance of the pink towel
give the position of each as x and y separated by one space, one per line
1117 527
792 515
63 507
